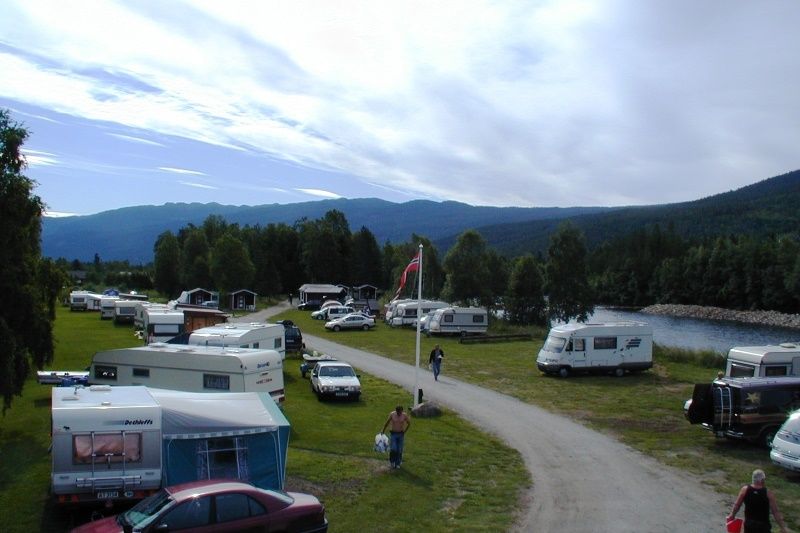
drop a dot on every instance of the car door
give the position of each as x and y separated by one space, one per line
190 515
236 511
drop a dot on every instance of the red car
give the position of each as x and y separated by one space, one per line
218 505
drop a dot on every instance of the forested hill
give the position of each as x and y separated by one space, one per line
768 207
130 233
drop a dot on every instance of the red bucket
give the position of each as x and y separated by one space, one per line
735 525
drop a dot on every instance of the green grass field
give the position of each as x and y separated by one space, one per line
644 410
454 478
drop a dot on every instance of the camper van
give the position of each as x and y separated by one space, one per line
122 443
744 408
107 304
617 347
161 325
763 361
242 335
405 314
191 368
124 311
457 321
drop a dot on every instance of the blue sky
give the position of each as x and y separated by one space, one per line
529 103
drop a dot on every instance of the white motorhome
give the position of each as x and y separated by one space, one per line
389 309
161 325
405 314
124 311
107 304
458 321
138 313
242 335
764 361
106 443
617 347
191 368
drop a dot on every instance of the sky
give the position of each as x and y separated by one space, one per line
502 103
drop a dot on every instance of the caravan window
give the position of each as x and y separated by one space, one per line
278 344
576 345
775 371
224 457
742 371
477 319
107 448
141 372
448 318
554 344
105 372
216 381
605 343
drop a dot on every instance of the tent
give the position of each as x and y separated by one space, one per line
222 435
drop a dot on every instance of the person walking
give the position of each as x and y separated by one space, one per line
758 503
435 361
398 422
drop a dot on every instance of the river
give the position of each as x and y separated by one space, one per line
700 334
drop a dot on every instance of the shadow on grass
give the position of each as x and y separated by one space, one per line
42 402
19 454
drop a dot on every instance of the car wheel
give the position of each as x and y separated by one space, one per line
768 436
619 372
336 328
365 327
563 372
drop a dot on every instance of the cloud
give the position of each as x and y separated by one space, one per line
38 158
320 193
58 214
135 139
198 185
182 171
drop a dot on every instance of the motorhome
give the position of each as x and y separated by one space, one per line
457 321
242 335
161 325
124 311
617 347
752 409
107 304
121 443
763 361
191 368
389 309
405 314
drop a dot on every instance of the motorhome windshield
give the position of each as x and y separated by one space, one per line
554 344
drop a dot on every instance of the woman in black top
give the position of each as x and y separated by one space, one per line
758 502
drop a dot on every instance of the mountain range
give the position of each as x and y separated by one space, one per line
769 206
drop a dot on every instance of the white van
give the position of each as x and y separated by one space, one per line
763 361
405 314
458 321
191 368
786 444
242 335
616 347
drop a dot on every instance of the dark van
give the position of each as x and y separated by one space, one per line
752 409
293 336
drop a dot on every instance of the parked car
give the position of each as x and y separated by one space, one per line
218 505
351 321
786 444
293 341
332 311
335 379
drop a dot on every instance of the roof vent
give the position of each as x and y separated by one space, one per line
100 388
788 345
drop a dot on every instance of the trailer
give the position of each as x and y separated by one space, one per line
191 368
124 311
114 444
161 325
242 335
405 314
107 305
139 310
764 361
617 347
78 301
457 321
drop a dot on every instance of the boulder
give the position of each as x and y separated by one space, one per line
426 410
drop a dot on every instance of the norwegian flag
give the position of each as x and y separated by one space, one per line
413 266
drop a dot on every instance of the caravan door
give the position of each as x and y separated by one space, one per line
577 349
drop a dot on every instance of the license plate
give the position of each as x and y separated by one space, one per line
341 394
105 495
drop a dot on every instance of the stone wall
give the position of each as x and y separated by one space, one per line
765 318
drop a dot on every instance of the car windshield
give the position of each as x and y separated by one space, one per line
554 344
336 371
145 511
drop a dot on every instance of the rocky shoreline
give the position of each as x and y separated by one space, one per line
764 318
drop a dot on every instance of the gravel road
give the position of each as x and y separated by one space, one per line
583 481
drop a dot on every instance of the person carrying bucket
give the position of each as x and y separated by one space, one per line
758 503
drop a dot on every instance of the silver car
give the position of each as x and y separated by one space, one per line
351 321
335 379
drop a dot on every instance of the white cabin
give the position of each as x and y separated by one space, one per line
242 335
191 368
764 361
617 347
458 321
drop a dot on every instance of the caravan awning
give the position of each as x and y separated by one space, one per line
191 415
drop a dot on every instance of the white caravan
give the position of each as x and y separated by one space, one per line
161 325
405 314
138 314
191 368
458 321
389 309
764 361
106 444
124 311
107 304
614 347
242 335
78 301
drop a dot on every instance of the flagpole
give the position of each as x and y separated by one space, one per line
419 323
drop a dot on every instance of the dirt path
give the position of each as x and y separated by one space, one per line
584 481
